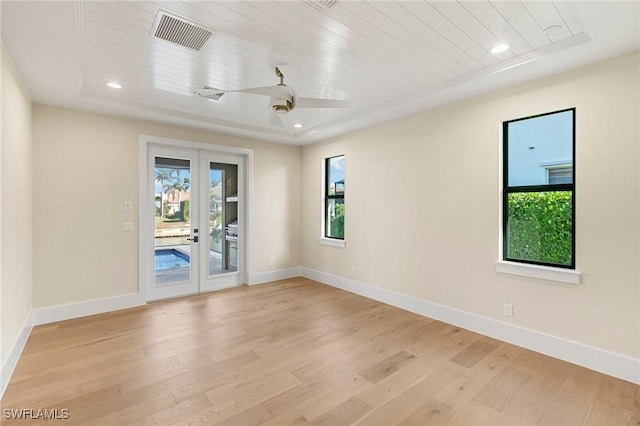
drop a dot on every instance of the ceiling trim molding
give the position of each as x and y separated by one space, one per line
221 126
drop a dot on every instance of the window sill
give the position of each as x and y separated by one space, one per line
550 273
332 242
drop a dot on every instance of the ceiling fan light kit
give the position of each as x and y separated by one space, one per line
282 108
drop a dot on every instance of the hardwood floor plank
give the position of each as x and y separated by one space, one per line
230 401
559 411
294 396
617 392
387 366
604 413
474 414
396 409
134 414
306 338
184 374
502 388
334 394
344 414
296 352
253 389
290 417
463 388
431 412
579 387
199 382
526 406
175 413
353 351
474 353
252 416
395 384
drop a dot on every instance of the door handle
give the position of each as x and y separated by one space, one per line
194 239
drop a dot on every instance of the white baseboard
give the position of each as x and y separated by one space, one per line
85 308
280 274
616 365
14 353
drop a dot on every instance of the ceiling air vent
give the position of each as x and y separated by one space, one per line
321 4
180 31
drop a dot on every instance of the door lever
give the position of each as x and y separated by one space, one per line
194 239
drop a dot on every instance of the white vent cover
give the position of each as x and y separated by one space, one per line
180 31
321 4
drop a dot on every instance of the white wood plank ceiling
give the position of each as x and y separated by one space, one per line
380 55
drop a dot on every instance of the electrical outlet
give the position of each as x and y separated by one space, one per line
270 262
127 226
508 310
353 272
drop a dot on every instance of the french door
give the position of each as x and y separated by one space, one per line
195 202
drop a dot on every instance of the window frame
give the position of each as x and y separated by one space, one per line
326 200
506 190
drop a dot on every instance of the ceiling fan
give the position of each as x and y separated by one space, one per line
282 98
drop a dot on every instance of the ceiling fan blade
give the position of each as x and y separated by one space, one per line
207 91
282 92
275 120
322 103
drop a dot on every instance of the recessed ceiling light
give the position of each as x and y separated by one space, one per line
114 85
297 126
500 48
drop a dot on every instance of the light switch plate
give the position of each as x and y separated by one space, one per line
127 206
127 226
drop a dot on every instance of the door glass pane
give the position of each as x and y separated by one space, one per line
223 218
172 224
216 230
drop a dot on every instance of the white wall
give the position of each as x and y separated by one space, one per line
422 208
15 212
86 165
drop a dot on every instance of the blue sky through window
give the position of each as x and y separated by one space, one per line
336 169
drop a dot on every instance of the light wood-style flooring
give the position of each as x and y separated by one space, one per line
297 352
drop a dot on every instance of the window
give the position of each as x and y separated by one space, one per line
334 198
538 189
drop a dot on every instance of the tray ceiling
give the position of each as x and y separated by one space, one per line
389 59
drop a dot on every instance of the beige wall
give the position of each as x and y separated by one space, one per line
86 165
15 207
422 207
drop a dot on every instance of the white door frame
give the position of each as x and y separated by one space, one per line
145 211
